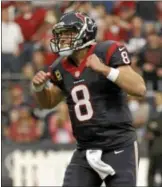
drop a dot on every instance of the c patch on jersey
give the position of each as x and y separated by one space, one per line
58 75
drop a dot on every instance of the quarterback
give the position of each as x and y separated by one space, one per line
95 79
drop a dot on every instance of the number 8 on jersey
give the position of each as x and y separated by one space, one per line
85 101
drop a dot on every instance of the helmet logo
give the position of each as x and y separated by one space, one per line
90 25
80 16
60 24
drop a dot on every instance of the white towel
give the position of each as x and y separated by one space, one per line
94 160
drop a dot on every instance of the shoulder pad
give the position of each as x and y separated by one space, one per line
102 48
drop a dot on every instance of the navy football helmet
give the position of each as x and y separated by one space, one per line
81 32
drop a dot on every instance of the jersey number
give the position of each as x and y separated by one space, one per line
84 102
124 55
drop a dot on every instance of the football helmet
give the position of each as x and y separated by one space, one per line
81 32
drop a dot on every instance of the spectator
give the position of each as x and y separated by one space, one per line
12 99
85 7
30 20
137 40
28 71
149 28
60 125
24 128
11 40
101 31
150 59
32 23
16 96
149 15
17 99
99 10
6 4
125 9
134 61
113 31
46 37
116 29
39 60
140 110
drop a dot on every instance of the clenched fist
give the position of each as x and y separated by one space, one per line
40 78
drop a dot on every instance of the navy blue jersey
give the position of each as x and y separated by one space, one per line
98 107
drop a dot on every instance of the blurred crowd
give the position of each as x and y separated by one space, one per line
26 33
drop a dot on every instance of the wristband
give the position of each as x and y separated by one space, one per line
113 75
38 88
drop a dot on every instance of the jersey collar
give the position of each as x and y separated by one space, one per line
74 70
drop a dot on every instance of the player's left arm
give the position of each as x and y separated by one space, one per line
130 81
125 77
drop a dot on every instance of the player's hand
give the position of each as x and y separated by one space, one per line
95 63
40 78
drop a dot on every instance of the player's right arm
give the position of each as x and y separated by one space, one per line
46 97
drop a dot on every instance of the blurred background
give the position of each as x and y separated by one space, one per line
37 144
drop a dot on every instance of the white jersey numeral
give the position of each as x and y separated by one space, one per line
84 102
124 55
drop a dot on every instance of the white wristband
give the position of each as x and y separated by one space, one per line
113 75
38 88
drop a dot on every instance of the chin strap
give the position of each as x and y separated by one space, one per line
87 44
68 52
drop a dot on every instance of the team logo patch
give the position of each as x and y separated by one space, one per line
58 75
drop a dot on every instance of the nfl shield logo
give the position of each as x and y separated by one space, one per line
77 73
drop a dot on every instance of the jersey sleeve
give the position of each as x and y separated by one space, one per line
117 55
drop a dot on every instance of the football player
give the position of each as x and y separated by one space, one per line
95 79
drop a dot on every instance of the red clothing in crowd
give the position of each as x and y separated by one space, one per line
31 23
50 58
120 35
6 4
23 132
60 135
120 5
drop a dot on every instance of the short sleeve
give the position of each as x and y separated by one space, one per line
117 55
